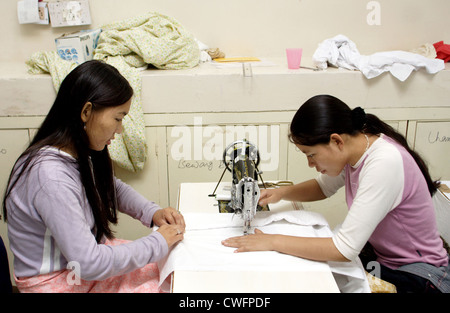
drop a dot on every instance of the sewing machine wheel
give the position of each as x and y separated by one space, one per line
234 149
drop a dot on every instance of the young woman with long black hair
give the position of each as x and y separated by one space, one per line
388 192
62 197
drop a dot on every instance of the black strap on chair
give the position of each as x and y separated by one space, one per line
5 278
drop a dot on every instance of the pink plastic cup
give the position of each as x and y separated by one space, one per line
294 57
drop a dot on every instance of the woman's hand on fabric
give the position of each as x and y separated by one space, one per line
254 242
169 216
171 233
171 225
269 196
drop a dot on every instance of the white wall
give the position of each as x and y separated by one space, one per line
255 27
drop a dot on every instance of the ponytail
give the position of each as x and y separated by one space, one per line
376 126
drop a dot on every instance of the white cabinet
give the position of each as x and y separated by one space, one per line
432 141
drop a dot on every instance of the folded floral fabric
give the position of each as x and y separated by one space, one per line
151 38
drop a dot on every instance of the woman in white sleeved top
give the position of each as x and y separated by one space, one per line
62 197
388 192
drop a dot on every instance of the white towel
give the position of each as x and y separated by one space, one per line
341 52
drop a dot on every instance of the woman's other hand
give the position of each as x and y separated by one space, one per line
255 242
171 225
171 233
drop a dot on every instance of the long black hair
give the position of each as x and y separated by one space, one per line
103 86
323 115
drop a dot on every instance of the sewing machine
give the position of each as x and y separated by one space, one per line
241 158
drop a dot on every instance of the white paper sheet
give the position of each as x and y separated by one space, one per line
27 11
202 250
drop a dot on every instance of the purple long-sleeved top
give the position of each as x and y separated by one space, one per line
50 223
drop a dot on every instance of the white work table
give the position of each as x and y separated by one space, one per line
257 272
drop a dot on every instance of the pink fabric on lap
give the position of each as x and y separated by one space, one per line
143 280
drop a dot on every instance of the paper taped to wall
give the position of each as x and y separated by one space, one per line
69 13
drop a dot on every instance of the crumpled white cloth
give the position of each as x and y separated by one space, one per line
341 52
202 250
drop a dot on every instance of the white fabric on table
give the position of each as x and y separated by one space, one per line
202 250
